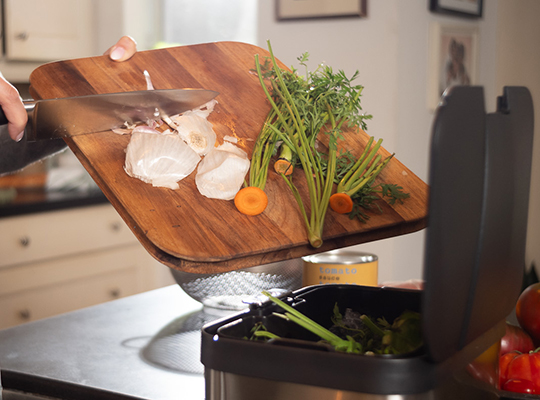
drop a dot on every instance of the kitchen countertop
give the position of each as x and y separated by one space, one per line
99 352
35 201
56 183
127 349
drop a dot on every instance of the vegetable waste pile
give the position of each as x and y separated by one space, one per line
306 112
352 332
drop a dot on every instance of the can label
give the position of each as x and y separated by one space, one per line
341 268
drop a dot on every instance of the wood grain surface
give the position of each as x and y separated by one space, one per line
181 228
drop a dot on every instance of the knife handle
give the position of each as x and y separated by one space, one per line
3 118
28 106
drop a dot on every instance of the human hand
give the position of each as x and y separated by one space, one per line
123 50
13 108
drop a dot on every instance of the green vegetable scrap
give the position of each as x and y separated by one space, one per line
380 337
259 331
302 108
355 183
321 102
355 333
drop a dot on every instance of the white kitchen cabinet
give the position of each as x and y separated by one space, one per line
59 261
37 31
47 30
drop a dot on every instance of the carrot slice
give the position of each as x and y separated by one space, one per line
283 166
341 203
251 200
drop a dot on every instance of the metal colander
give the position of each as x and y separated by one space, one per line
230 290
177 346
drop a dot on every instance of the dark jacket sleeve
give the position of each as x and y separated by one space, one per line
16 155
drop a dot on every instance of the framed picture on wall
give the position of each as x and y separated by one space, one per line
463 8
453 59
309 9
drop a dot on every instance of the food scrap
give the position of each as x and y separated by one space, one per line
221 173
353 332
304 109
161 160
193 126
163 152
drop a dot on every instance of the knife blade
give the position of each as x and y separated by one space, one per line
71 116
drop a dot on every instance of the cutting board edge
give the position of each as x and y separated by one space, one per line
205 266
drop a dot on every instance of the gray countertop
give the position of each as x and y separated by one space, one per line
145 346
103 347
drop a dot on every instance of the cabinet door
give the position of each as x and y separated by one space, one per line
53 234
46 30
47 301
53 286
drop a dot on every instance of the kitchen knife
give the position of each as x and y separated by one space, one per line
70 116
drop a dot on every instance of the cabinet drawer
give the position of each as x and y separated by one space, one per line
51 300
63 270
52 234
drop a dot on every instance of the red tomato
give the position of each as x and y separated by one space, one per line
516 339
504 360
528 311
525 367
520 386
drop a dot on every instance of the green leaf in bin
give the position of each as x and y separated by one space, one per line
357 333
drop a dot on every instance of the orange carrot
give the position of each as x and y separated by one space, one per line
283 166
341 203
251 200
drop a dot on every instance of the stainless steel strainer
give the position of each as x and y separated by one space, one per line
230 290
177 346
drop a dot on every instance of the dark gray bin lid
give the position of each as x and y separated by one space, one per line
480 174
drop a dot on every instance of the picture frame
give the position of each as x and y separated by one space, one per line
453 59
316 9
461 8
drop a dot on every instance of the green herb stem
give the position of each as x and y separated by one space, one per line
303 108
372 326
266 335
358 170
370 175
297 317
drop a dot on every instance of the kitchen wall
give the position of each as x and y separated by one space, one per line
214 20
390 48
140 19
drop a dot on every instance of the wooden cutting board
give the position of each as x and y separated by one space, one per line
181 228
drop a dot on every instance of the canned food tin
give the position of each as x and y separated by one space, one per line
341 266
